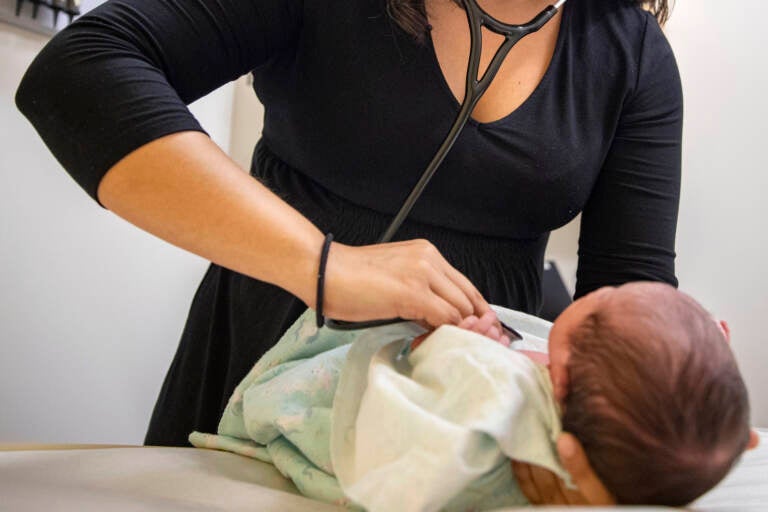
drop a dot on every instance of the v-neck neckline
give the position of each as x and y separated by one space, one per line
438 71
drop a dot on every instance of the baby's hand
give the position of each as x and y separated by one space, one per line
487 325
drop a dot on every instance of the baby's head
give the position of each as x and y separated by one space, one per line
655 396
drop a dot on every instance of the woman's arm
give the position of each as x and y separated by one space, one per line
121 76
185 190
108 96
628 225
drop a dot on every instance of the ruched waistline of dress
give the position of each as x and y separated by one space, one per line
355 224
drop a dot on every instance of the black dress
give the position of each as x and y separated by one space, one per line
354 109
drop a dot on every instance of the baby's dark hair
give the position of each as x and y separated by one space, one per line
655 398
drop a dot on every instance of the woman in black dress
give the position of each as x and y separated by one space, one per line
584 116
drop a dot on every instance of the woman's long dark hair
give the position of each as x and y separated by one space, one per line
411 15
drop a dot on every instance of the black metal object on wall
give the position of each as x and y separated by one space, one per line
69 7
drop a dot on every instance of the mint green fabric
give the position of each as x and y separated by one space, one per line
280 412
303 408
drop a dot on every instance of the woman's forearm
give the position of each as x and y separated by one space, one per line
185 190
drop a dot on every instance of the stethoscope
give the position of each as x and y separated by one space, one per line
474 90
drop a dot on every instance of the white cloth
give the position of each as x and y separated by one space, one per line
412 431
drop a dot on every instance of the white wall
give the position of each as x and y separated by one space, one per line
247 121
721 52
43 23
91 308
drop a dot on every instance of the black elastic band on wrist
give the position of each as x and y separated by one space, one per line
321 280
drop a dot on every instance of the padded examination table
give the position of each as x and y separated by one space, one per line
187 479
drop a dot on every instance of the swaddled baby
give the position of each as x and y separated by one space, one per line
655 399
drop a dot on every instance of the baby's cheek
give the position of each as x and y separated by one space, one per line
418 340
536 357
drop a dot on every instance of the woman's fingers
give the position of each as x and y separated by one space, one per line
575 461
553 489
448 284
445 288
546 484
479 304
524 477
542 487
409 280
456 287
438 312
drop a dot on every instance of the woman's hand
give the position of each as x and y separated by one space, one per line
409 280
542 487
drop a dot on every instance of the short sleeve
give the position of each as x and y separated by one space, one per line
121 76
628 224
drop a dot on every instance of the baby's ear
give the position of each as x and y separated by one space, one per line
754 439
723 325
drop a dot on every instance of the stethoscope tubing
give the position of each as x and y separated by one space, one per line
474 89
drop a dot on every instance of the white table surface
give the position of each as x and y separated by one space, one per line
188 479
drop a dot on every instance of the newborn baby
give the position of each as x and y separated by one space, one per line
655 399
